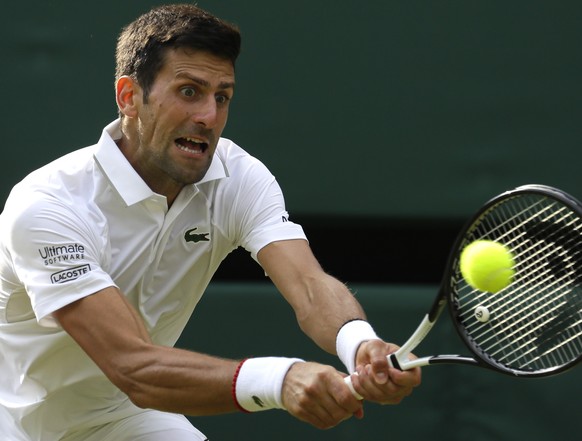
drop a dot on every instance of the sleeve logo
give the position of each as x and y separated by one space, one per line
70 274
62 253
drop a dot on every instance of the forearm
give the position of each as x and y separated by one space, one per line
322 304
330 305
175 380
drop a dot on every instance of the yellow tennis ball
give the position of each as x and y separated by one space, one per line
487 265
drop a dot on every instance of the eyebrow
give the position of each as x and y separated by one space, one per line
222 85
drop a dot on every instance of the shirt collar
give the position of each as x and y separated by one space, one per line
123 176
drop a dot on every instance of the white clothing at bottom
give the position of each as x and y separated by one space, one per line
149 425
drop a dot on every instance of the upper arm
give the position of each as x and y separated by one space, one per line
54 254
289 262
293 268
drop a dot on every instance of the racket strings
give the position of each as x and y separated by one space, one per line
536 322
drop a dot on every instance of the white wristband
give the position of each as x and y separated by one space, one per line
348 340
259 381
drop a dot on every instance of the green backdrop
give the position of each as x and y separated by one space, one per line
366 108
454 403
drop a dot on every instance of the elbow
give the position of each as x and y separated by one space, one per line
134 379
140 400
138 392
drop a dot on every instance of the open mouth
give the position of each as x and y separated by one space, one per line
191 145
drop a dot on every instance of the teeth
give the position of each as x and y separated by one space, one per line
197 143
186 149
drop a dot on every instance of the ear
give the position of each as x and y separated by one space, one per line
127 93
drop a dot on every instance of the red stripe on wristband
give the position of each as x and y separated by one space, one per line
233 390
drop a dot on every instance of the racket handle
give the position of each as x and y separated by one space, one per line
348 381
393 363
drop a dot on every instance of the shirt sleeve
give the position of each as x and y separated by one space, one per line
257 206
268 221
56 254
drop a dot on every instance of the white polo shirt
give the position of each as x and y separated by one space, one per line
88 221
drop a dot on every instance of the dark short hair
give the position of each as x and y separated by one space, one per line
142 45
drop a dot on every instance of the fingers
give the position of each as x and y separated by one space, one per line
377 381
317 394
398 386
379 367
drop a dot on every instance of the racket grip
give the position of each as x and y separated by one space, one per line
348 381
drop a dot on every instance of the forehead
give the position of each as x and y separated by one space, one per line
184 63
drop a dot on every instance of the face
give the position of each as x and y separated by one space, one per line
170 140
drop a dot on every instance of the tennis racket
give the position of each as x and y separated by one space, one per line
532 327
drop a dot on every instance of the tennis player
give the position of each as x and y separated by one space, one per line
105 252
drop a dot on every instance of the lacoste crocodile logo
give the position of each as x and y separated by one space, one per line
258 401
191 236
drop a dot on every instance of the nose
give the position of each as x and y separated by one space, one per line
206 112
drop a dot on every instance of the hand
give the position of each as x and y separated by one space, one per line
317 394
376 380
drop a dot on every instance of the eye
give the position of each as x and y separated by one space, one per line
222 99
188 92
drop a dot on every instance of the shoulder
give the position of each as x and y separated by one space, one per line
241 167
57 176
57 190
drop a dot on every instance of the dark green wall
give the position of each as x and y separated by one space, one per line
454 403
368 108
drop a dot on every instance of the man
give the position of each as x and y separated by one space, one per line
105 252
